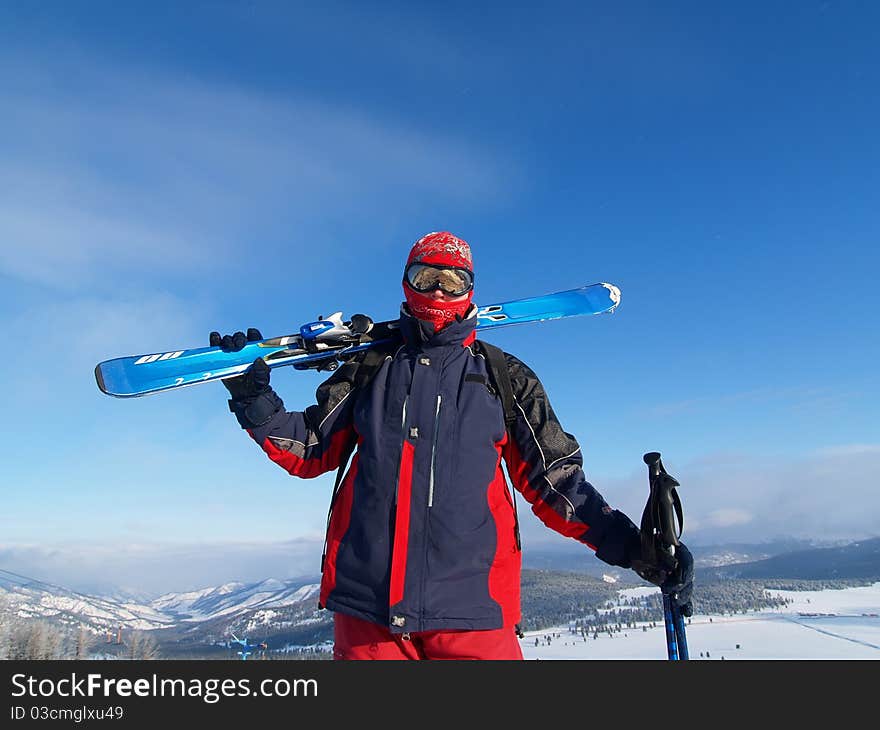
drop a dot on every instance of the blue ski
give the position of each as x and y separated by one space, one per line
324 342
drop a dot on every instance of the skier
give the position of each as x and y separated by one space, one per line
422 557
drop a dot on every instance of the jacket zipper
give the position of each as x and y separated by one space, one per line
429 505
402 441
434 452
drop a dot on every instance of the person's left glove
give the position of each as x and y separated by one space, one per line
674 575
253 401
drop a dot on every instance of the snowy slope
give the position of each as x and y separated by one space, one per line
830 624
233 598
97 612
225 601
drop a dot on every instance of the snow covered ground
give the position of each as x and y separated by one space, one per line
845 624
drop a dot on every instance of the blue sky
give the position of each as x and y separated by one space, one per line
170 169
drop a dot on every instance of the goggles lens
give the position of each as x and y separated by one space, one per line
425 278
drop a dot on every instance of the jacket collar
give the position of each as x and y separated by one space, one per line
419 333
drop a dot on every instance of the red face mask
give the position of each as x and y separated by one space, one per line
436 311
441 249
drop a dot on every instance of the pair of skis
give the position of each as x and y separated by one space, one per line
322 344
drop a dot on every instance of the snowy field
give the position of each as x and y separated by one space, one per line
846 626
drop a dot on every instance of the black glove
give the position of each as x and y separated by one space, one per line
674 575
253 401
256 379
236 342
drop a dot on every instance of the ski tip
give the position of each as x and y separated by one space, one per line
99 378
613 292
105 383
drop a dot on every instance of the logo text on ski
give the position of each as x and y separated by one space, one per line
161 356
494 313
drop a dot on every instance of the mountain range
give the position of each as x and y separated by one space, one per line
203 621
858 560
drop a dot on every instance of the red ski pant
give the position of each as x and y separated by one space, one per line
355 638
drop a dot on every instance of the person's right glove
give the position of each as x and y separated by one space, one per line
253 401
674 576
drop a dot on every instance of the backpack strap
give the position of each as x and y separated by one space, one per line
499 373
367 368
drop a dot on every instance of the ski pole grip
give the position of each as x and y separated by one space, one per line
665 504
652 459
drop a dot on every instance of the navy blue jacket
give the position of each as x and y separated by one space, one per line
423 530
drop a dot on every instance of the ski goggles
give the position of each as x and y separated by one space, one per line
426 278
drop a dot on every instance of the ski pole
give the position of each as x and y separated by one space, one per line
660 537
680 637
672 650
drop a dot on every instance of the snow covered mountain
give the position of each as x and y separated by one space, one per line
62 606
282 613
231 599
285 613
247 604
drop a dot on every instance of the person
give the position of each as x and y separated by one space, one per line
422 556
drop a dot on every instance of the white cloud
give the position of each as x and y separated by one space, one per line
65 337
153 568
753 501
849 450
828 494
729 517
145 174
63 227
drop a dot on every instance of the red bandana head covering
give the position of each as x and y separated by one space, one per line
443 249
